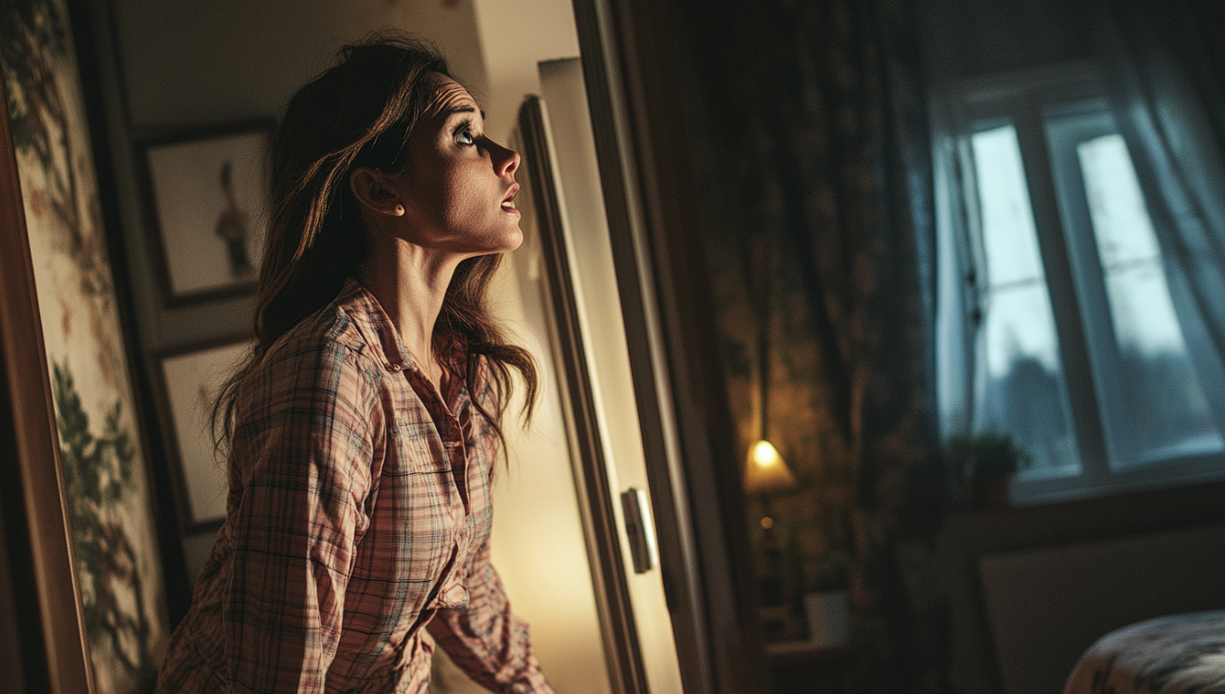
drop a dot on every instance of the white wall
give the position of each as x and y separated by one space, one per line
515 37
197 63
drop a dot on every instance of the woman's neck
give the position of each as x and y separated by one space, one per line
410 283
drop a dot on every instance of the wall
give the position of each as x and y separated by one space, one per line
192 63
1078 587
184 65
516 36
969 537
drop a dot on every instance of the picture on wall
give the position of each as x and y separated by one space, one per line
207 205
190 382
107 479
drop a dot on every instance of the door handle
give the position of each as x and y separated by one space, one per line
639 530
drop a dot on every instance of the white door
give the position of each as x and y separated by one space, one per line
573 258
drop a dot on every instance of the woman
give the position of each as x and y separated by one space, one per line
364 429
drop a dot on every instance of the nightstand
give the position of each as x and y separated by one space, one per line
803 667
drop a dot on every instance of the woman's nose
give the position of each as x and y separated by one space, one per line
506 161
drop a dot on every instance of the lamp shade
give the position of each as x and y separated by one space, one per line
764 470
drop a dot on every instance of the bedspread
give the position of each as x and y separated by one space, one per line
1180 654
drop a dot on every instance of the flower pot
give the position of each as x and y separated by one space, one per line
829 617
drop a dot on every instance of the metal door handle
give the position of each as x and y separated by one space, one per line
639 530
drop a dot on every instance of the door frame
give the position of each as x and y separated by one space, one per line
627 673
688 432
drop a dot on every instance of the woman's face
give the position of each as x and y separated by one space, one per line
459 187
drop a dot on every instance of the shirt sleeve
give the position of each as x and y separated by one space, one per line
485 639
302 460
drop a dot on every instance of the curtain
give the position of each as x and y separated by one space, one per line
827 246
1164 68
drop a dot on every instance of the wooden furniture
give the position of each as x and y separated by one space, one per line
804 667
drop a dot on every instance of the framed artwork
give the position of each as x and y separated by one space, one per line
76 367
189 381
207 203
40 594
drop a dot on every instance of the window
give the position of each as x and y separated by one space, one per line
1061 328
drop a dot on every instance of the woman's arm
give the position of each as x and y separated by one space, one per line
302 451
486 639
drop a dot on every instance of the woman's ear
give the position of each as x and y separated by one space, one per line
374 190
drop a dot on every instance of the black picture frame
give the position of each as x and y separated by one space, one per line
188 380
206 200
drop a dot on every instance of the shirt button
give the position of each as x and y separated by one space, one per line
395 368
456 594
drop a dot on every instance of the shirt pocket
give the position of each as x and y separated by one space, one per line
419 502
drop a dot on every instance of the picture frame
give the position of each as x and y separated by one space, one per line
206 203
80 507
189 380
42 587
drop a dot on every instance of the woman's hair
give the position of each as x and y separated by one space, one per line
359 113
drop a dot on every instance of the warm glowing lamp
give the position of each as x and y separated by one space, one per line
765 472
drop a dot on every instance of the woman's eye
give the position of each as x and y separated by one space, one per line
464 137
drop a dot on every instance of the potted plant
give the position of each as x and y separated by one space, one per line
983 465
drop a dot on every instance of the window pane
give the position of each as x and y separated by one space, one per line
1021 388
1008 223
1162 411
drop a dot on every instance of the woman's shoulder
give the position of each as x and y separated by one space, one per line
349 323
331 342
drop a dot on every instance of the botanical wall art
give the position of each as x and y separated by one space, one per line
108 486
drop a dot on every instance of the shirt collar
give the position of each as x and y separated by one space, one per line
355 295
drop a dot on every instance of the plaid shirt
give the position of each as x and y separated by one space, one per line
358 514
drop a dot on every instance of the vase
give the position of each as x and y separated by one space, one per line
829 615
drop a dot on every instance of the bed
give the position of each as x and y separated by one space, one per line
1179 654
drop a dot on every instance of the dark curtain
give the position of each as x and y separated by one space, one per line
826 244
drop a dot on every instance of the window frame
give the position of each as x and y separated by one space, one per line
1024 99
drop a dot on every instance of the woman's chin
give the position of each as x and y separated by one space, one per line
515 240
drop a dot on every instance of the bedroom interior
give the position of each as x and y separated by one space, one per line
870 228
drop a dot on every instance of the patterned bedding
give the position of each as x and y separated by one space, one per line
1182 654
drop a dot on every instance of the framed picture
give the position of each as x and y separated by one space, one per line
207 206
96 593
38 590
189 381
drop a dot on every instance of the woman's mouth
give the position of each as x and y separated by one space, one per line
508 203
